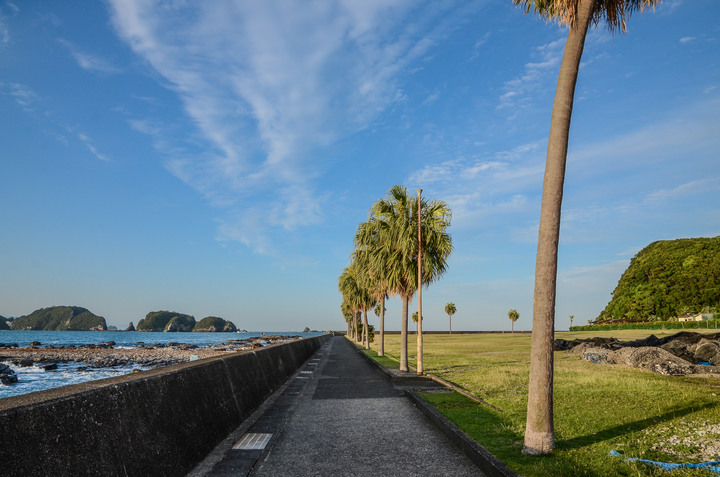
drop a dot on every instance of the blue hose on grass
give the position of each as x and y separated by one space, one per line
713 466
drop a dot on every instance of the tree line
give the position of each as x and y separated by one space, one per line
384 261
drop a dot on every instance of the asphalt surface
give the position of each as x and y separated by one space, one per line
340 416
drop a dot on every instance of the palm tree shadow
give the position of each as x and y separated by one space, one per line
623 429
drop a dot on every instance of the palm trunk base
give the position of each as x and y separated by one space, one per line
538 443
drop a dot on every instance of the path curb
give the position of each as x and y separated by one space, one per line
488 463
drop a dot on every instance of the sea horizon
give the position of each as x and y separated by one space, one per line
23 338
35 378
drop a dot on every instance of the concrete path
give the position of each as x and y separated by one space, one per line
340 416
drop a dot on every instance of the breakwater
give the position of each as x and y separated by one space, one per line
159 422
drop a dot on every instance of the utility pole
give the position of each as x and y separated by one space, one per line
420 316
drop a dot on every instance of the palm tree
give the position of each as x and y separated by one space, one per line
348 315
513 315
450 311
373 257
577 15
397 217
414 317
358 297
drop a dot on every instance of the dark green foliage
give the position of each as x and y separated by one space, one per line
666 279
180 323
61 318
158 321
652 325
371 331
213 323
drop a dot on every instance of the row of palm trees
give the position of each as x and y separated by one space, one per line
385 260
450 310
385 226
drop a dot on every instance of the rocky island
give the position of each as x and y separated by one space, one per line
60 318
173 321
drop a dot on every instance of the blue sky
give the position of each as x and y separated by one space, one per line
215 158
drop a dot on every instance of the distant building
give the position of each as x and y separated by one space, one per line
696 317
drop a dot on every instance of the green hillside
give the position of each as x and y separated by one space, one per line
159 320
61 318
666 279
180 323
3 323
213 323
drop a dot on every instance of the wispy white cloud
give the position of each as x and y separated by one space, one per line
694 127
88 62
519 91
686 189
21 94
687 39
477 189
4 29
267 82
88 143
4 32
479 44
431 98
669 6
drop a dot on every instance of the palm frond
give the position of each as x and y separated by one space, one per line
613 13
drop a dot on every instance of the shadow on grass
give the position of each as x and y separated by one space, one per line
485 426
623 429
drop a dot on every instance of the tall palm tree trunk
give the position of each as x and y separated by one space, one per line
381 345
366 331
404 334
450 318
419 365
355 326
539 430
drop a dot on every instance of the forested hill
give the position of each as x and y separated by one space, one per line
666 279
59 318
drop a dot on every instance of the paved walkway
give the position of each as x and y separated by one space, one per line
340 416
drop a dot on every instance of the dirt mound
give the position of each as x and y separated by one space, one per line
676 355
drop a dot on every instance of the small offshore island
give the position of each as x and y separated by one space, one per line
108 356
76 318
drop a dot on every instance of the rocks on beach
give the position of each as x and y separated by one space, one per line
7 375
107 354
677 355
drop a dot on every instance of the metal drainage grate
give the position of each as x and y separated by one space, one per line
253 442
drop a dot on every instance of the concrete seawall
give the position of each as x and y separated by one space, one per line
160 422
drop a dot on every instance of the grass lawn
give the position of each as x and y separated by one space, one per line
598 408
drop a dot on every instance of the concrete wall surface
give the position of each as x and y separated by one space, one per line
158 422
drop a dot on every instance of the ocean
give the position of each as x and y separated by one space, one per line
33 378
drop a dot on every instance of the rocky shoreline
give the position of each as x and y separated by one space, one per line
107 354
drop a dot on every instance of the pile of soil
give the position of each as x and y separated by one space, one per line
677 355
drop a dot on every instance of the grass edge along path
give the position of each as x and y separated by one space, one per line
599 408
